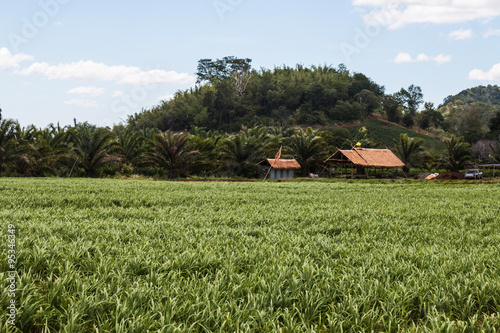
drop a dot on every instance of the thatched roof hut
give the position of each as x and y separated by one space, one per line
283 168
366 157
362 158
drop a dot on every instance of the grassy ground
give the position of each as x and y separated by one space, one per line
137 256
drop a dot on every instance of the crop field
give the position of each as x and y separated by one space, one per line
145 256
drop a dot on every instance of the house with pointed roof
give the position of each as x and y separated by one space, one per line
365 158
283 168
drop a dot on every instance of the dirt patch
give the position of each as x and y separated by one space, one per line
450 176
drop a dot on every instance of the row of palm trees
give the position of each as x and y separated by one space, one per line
91 151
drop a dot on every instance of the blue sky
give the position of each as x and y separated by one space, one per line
100 61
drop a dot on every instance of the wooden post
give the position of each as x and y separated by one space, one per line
72 168
267 173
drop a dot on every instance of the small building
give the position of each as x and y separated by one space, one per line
283 168
363 158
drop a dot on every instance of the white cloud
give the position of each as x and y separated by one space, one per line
396 13
92 71
92 91
404 57
9 61
166 98
461 34
86 103
58 24
118 93
423 57
491 32
493 74
442 59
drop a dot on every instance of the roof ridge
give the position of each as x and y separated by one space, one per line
364 159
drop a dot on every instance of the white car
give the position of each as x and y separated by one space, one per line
473 174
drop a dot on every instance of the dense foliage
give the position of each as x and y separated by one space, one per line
140 256
281 97
481 94
236 117
472 113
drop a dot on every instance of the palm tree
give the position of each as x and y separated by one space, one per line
458 154
173 152
131 145
93 147
207 143
409 151
308 148
242 154
12 152
49 149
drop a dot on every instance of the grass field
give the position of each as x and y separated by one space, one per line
138 256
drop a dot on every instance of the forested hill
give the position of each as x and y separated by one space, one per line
230 94
227 98
470 113
480 94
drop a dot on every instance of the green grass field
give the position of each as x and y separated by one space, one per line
143 256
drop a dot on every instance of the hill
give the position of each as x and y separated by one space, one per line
480 94
469 112
282 97
383 134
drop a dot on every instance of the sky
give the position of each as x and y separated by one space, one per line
101 61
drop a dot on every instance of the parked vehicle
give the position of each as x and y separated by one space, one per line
473 174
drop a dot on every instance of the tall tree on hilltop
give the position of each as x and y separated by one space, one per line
411 100
238 69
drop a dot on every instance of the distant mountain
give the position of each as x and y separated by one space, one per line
480 94
469 112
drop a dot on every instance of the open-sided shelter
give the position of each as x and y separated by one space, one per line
283 168
365 158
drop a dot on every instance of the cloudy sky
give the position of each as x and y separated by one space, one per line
100 61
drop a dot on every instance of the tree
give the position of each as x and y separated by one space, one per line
50 150
11 151
131 145
495 152
392 109
93 147
458 154
173 152
207 143
242 152
494 125
308 149
228 67
429 117
411 99
409 151
368 100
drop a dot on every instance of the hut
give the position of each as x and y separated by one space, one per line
283 168
364 158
